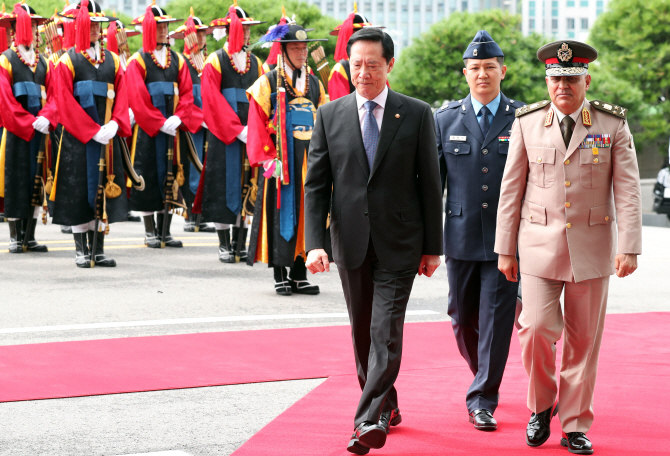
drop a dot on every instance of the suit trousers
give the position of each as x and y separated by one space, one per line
582 323
376 300
482 306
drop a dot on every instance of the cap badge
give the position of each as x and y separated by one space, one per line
301 35
564 53
474 52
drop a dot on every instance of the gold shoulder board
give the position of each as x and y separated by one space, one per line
522 111
613 109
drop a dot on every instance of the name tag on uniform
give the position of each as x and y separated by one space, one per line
597 141
503 138
458 138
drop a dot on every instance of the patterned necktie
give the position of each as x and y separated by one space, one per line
566 127
484 123
370 132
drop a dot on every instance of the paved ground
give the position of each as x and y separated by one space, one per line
46 299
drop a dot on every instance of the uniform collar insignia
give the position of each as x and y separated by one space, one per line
549 118
586 117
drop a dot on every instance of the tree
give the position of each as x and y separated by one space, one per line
636 48
431 68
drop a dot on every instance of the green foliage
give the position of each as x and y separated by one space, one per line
633 40
431 68
309 16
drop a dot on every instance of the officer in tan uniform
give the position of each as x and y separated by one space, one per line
570 185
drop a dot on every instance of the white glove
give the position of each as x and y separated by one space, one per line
204 125
41 124
170 126
131 114
106 133
243 135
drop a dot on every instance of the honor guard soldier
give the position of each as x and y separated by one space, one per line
277 233
228 73
339 81
91 92
472 142
160 93
28 113
194 33
571 173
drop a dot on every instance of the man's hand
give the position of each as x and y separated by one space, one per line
625 264
41 124
508 265
429 264
317 261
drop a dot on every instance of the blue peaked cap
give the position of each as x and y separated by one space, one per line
483 47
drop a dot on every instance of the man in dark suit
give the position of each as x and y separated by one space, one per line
373 156
472 140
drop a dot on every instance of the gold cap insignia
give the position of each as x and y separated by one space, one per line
301 35
564 53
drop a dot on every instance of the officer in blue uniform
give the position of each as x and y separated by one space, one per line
472 141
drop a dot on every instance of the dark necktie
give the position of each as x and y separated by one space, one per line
566 127
484 123
370 132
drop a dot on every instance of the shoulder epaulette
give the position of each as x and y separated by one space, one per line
522 111
444 107
610 108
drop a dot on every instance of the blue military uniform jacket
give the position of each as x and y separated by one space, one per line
473 168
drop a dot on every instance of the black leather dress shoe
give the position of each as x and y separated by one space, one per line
483 420
366 435
538 429
388 419
577 443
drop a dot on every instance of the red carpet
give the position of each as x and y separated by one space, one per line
632 385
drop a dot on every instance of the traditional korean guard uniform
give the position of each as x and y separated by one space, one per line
160 93
28 113
284 101
339 81
91 91
228 73
568 178
472 142
195 61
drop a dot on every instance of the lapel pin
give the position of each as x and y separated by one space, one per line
397 116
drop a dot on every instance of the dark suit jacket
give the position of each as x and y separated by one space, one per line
473 167
398 203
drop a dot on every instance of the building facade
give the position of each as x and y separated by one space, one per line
561 19
131 8
407 19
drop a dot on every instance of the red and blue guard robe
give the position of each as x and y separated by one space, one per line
226 108
89 97
25 94
277 233
155 94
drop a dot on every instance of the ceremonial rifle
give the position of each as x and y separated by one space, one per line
38 197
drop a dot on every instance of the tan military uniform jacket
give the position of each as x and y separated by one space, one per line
564 207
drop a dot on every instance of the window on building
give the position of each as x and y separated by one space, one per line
392 6
585 23
380 7
570 3
599 7
417 9
531 12
554 24
531 24
554 4
404 9
464 5
368 8
554 12
571 34
554 8
570 24
584 3
531 8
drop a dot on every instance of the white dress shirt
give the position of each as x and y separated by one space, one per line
378 112
28 54
560 116
94 53
161 55
240 60
300 83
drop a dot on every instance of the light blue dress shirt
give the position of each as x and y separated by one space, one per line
492 106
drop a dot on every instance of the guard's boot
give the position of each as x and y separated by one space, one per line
133 218
207 227
150 237
100 257
298 279
15 237
83 258
169 240
235 241
282 282
189 225
226 255
66 229
33 246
